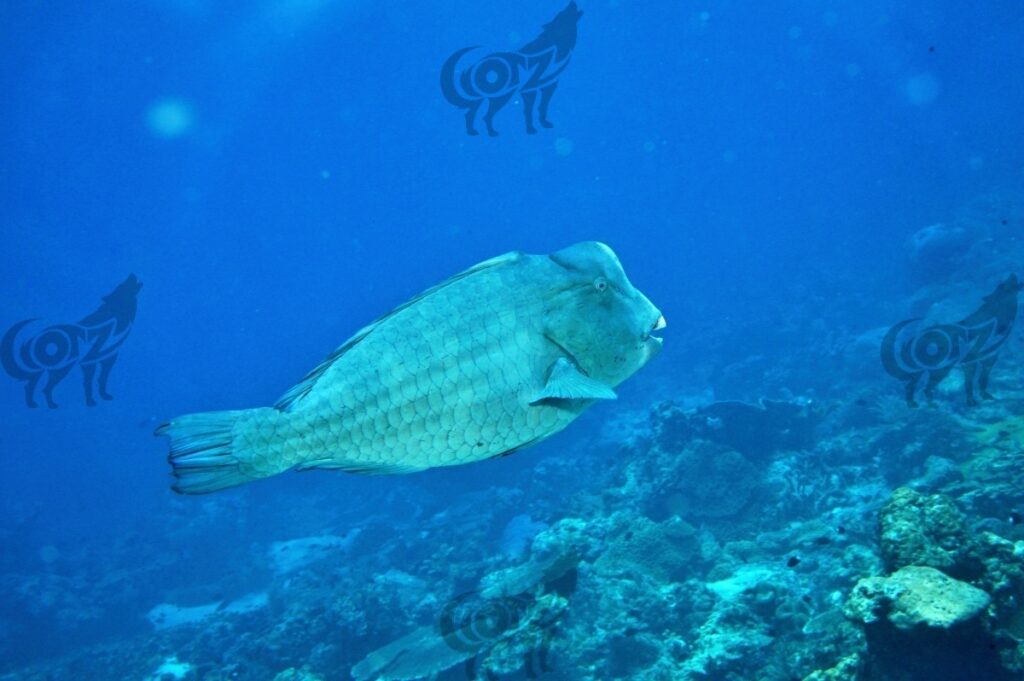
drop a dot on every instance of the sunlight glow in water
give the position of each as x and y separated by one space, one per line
170 117
922 89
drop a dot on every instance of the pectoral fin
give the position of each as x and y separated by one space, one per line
566 382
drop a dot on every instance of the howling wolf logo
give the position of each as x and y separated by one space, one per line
927 355
90 343
534 68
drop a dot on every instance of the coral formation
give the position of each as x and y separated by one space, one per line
916 596
835 535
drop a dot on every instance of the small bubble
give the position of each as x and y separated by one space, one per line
563 146
325 174
729 156
794 32
648 146
852 70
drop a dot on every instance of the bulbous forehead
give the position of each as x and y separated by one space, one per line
590 258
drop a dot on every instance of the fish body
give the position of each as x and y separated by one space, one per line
495 359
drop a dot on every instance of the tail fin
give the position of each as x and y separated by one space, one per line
206 455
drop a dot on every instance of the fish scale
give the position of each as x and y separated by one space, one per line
451 377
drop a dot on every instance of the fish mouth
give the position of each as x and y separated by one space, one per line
658 325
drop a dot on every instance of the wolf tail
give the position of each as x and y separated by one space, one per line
448 86
8 356
220 449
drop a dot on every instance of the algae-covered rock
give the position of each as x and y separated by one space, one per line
1003 562
916 596
293 674
925 530
847 669
710 481
664 551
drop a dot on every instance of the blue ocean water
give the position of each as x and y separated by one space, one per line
278 173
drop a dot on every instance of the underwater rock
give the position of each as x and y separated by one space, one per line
663 551
935 251
518 534
171 669
554 551
926 530
914 596
169 616
938 472
288 556
730 637
905 446
847 669
293 674
1003 562
754 430
418 654
709 480
996 472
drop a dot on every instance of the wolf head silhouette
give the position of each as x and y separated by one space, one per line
532 71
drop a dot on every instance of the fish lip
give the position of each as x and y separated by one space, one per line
657 325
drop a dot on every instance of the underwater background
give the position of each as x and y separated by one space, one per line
785 181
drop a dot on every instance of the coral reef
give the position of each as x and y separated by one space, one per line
834 535
916 596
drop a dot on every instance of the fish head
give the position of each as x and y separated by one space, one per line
599 317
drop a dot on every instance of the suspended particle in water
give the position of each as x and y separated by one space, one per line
170 117
563 146
922 89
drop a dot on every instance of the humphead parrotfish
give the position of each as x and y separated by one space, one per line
492 360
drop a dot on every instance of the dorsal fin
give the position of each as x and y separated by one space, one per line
303 387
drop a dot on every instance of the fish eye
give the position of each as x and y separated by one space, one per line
601 283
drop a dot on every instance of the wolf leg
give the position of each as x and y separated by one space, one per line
52 379
545 101
910 389
528 665
30 389
545 649
88 371
471 116
986 369
529 98
494 105
970 372
105 366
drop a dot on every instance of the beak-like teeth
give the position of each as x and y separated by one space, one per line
660 324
